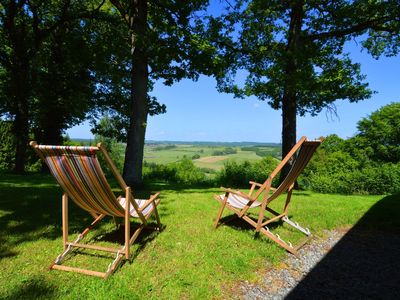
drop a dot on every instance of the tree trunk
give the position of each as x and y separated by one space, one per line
20 92
53 113
21 131
288 129
139 79
289 101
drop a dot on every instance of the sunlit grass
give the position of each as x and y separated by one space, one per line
188 259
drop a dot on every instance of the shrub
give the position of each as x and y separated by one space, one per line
166 147
239 174
225 151
114 149
187 173
340 167
182 172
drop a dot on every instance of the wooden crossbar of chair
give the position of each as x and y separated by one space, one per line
239 202
102 203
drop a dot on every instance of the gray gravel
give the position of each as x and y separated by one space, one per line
354 264
278 282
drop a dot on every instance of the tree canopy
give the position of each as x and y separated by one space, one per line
292 52
161 43
379 134
45 77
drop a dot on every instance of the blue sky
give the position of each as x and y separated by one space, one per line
197 112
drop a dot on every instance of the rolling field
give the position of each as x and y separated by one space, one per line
208 156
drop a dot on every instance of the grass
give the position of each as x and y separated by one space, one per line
187 260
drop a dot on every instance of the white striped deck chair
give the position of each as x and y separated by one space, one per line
239 202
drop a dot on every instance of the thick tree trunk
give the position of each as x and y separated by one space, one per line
20 92
289 101
289 111
51 120
21 131
137 128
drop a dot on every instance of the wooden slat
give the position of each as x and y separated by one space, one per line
148 202
113 267
273 219
93 247
136 234
112 166
79 270
303 242
127 220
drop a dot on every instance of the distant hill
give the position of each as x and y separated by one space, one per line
205 143
194 143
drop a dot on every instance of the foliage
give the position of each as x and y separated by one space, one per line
161 148
292 52
7 146
113 147
225 151
239 174
349 166
262 152
379 134
158 41
183 172
46 51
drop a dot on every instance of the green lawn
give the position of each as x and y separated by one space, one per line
188 259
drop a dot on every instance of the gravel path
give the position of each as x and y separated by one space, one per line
354 264
277 283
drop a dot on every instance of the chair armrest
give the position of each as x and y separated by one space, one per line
255 183
148 202
237 192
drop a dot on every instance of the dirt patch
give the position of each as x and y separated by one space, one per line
212 159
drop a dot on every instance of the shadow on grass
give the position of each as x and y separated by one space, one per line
30 209
237 223
36 288
364 264
31 213
118 236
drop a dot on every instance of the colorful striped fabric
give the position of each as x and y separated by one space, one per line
303 157
79 173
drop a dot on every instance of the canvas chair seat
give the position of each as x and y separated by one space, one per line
140 203
238 201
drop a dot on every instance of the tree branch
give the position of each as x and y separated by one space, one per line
124 14
375 24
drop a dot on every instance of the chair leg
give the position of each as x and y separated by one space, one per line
288 197
65 219
157 217
221 210
127 226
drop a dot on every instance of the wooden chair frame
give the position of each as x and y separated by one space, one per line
121 253
261 224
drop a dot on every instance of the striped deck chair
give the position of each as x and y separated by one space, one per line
79 173
239 202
